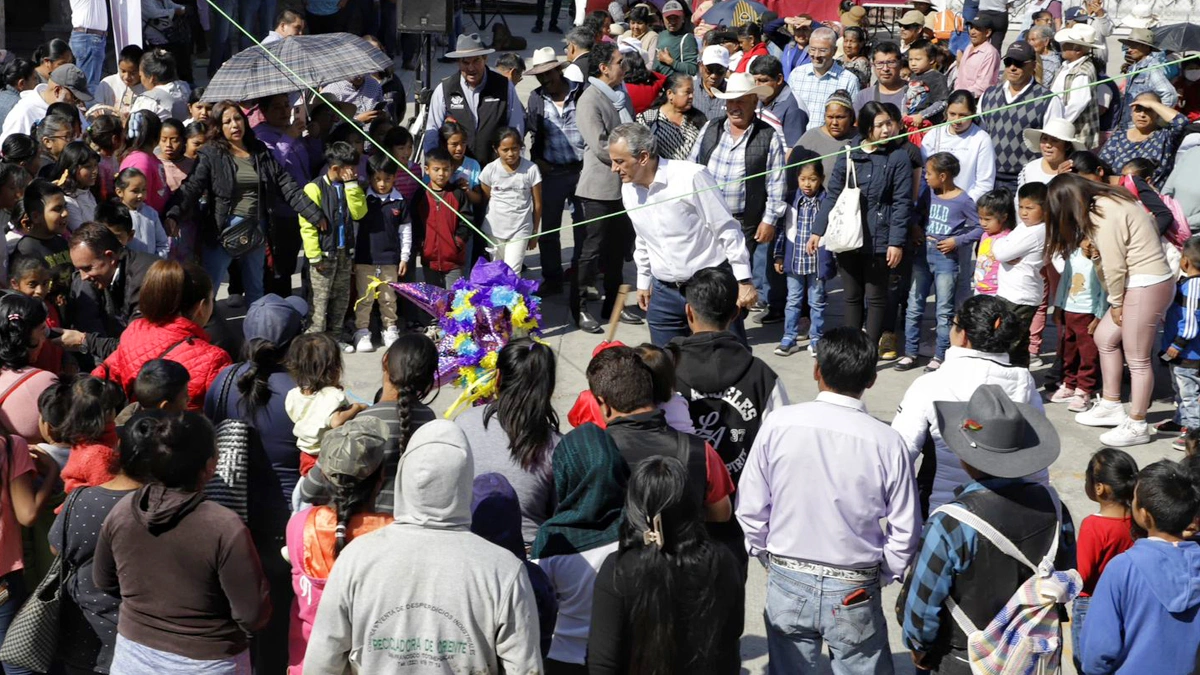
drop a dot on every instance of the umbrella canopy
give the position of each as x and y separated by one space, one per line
733 13
1178 37
314 59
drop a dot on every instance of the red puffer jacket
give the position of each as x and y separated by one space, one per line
179 340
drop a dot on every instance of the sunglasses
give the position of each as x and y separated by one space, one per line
1013 63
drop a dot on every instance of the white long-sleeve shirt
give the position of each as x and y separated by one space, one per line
1021 261
682 225
975 154
1068 77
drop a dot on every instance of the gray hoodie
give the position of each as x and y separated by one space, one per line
424 594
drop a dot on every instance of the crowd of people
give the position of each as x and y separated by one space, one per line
214 500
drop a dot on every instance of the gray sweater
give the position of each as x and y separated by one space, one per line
597 117
424 594
493 453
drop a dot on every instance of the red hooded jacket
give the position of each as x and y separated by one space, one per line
180 340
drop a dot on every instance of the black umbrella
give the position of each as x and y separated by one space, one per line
1178 37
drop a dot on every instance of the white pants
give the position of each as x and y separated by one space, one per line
511 251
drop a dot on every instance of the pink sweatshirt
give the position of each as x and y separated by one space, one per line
157 192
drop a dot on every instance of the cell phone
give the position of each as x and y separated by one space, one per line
857 597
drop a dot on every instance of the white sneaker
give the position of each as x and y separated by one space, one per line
362 341
390 335
1131 432
1035 362
1103 414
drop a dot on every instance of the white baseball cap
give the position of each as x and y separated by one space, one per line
715 55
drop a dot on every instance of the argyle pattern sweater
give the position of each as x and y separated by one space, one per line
1008 126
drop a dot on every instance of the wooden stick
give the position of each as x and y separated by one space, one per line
618 307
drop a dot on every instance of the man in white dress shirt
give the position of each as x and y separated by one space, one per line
89 38
682 226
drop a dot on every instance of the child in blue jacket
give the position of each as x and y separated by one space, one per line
1181 340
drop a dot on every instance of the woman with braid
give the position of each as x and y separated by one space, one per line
352 460
409 367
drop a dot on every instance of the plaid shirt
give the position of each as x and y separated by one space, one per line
364 98
727 164
812 91
563 142
790 249
947 550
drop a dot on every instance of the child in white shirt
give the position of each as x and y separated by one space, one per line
1020 281
513 187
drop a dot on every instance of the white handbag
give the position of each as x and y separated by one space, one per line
844 231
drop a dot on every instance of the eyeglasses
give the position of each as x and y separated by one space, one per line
886 64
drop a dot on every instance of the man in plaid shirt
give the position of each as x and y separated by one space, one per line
1000 443
730 147
813 83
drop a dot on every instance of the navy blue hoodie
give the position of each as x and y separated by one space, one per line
1143 617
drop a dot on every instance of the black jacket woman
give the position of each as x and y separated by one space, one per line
240 179
884 173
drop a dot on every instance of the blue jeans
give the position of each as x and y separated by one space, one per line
89 55
799 286
771 287
1187 396
943 285
668 320
804 610
223 33
17 593
256 16
1079 610
216 262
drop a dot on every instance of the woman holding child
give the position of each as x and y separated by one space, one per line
1125 244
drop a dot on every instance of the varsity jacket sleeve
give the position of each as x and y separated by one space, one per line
356 200
913 415
1188 327
776 400
310 236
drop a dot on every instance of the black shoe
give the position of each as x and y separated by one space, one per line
588 324
769 317
905 364
549 288
537 28
591 294
555 29
759 307
630 318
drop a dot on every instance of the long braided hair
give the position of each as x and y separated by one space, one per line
348 498
411 364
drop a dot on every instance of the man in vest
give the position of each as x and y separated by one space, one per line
558 149
579 41
682 226
1000 442
603 106
739 151
1018 96
480 99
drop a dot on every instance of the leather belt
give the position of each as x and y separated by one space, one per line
846 574
90 31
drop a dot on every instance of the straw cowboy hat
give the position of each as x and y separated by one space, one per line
469 46
1080 34
1141 36
741 84
544 60
997 435
1055 128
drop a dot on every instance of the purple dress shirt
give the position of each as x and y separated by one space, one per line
291 155
818 481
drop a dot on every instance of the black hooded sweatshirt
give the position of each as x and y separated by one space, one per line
187 572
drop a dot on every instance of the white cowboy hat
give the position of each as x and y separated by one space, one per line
1080 34
544 60
631 45
739 85
1056 128
469 46
1141 16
